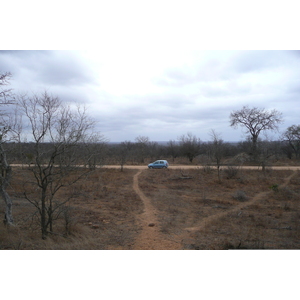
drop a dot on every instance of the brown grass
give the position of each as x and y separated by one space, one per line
270 223
191 205
102 215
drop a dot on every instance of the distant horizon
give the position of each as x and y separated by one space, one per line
177 141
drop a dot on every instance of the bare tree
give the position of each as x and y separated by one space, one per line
7 126
292 136
266 149
123 151
173 149
142 143
189 146
59 134
217 149
255 120
6 96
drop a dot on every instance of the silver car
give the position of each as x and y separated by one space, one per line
159 164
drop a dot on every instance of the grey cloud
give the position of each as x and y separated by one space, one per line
295 53
254 61
135 117
64 69
293 89
227 68
193 97
58 68
209 71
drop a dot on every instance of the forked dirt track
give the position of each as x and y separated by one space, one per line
151 238
206 221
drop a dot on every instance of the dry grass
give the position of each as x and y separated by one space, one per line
104 214
101 215
270 223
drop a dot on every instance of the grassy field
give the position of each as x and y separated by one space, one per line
248 209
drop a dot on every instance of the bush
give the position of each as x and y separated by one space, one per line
207 169
240 196
274 187
231 172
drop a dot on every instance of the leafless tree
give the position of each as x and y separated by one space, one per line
8 127
142 143
6 96
217 149
59 134
189 146
266 149
255 120
122 152
292 136
173 149
5 176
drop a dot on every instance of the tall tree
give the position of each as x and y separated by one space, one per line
255 120
7 126
60 135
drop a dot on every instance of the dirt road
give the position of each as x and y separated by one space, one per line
292 168
139 167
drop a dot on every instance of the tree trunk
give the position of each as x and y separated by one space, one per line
254 146
43 217
219 175
8 218
4 181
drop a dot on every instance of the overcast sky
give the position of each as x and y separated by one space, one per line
150 72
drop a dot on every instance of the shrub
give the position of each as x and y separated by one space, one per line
207 169
274 187
240 196
231 172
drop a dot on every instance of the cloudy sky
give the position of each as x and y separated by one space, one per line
148 69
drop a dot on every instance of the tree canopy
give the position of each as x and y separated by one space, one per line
255 120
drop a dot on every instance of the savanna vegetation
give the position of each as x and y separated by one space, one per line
249 209
57 194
